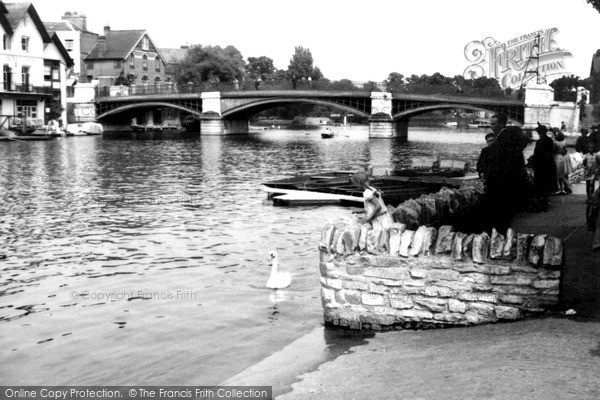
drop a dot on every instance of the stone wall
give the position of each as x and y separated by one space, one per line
420 276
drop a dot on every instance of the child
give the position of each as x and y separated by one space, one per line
591 163
377 213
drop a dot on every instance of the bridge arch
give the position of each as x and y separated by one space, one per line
120 109
406 114
254 107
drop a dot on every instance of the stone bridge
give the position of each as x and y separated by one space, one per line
227 112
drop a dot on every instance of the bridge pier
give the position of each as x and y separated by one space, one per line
383 127
218 126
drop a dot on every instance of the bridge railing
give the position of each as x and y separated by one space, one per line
320 85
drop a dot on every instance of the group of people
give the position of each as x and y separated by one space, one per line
589 145
502 167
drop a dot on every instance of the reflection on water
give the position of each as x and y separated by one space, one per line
144 262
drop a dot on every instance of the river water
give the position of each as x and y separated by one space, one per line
144 262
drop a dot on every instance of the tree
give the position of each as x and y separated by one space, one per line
395 82
301 65
210 64
260 67
565 87
595 4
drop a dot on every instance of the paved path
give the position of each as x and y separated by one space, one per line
553 357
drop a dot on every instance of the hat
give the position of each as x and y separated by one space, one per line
541 129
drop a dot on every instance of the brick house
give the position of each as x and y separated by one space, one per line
124 53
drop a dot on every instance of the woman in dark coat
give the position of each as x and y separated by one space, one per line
544 168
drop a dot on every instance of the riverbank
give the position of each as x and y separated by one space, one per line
550 357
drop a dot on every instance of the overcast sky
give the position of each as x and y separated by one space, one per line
357 40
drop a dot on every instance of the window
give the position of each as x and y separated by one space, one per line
131 58
25 43
6 42
157 64
47 72
27 108
89 65
69 44
117 64
157 79
7 77
145 43
25 77
145 62
55 73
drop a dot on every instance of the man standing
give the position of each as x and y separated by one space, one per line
506 183
483 161
544 169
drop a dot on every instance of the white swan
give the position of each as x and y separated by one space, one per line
277 280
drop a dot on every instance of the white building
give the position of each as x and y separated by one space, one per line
35 66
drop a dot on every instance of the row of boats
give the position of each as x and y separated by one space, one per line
51 131
397 186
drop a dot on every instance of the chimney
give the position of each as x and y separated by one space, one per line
106 30
79 20
101 45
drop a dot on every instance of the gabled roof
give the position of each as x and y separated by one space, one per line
61 49
18 11
4 19
119 44
63 26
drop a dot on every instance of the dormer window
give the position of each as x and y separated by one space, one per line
145 43
131 58
145 62
6 42
157 64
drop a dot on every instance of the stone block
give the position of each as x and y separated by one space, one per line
481 245
475 318
444 274
474 278
331 283
327 235
405 242
364 234
416 315
499 269
511 279
448 317
546 284
443 244
432 304
482 309
521 290
470 267
401 302
340 297
373 299
418 273
468 247
496 245
523 243
416 246
509 252
328 298
553 252
352 269
456 254
353 296
384 261
511 299
536 250
392 283
456 306
429 241
373 241
387 273
395 233
510 313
